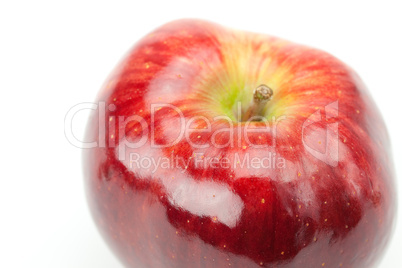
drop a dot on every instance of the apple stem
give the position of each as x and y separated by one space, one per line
262 94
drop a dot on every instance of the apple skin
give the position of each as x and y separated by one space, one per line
306 212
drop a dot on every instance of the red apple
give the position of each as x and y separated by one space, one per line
220 148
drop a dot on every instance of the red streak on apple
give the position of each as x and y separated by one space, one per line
307 209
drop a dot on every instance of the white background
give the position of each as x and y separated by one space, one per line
53 56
